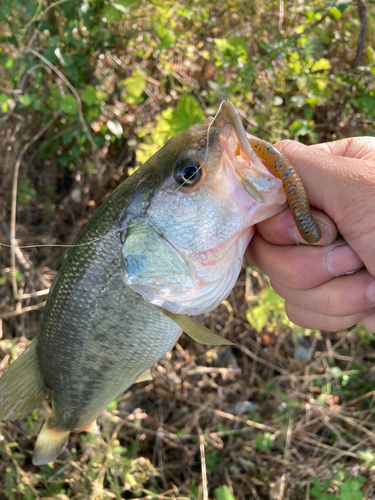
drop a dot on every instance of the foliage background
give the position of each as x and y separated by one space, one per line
88 91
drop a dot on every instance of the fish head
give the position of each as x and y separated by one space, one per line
184 251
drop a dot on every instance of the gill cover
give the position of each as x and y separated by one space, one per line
149 261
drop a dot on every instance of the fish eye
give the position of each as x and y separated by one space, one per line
188 172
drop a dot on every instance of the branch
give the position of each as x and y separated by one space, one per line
74 92
362 34
13 216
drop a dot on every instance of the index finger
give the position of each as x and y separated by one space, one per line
281 228
361 148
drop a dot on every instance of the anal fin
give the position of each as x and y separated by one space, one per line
49 444
92 427
22 386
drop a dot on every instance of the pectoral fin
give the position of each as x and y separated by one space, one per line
196 331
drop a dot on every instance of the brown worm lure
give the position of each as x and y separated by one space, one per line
292 184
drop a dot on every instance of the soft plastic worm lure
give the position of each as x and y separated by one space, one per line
292 185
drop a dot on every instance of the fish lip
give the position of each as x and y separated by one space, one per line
230 116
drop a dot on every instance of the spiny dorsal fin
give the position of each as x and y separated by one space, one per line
197 332
22 386
49 444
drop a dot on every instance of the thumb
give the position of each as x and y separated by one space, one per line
339 179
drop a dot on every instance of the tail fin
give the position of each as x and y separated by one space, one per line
48 445
22 386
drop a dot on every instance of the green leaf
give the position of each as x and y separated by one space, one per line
167 37
188 113
68 105
68 137
25 100
264 442
367 456
343 4
111 13
350 489
223 44
370 55
301 127
126 3
76 151
19 276
25 191
88 96
335 13
316 488
321 65
312 101
3 103
257 318
135 84
223 493
63 160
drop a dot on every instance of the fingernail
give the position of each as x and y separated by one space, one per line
343 260
327 236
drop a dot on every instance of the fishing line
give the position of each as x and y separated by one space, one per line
112 231
63 246
207 142
208 129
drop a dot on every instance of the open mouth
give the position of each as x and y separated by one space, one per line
249 169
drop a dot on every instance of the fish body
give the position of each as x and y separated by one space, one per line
167 243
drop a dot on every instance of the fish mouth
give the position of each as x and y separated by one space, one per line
235 143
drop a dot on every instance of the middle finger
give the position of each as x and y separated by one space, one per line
339 297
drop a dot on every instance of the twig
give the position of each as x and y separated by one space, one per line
281 15
74 92
24 310
23 262
13 216
361 4
270 365
39 18
219 413
34 294
203 463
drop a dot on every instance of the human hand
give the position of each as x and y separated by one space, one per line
330 285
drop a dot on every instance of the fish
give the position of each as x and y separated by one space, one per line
166 245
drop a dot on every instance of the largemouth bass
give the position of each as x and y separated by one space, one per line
168 243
